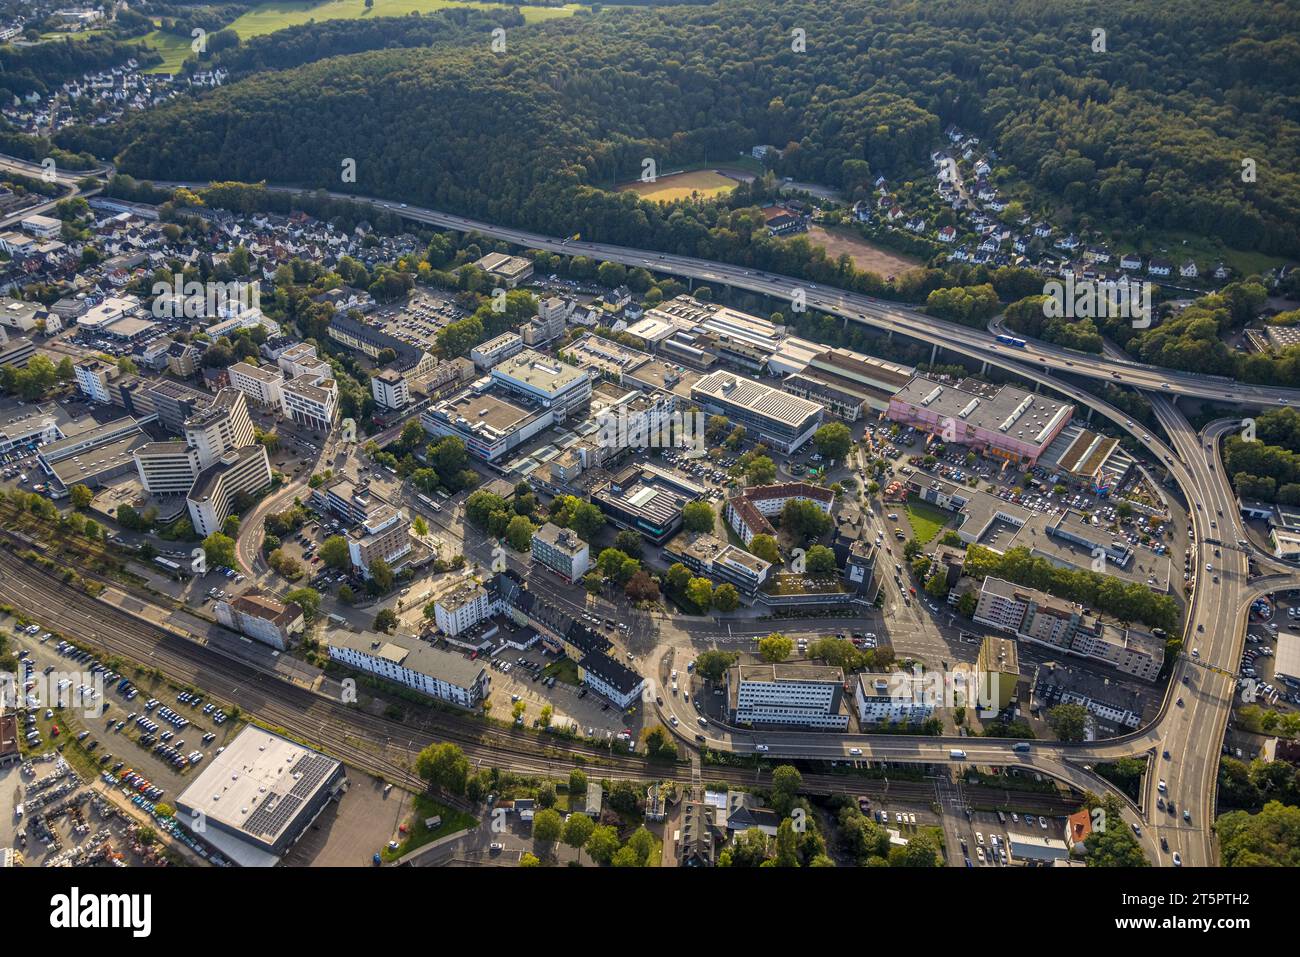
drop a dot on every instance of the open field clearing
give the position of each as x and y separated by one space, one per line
838 240
700 182
270 17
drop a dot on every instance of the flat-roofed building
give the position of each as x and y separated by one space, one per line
450 676
719 561
781 421
552 384
1041 618
562 551
999 658
261 616
460 606
94 456
890 698
351 501
848 383
260 383
309 402
1002 421
210 500
167 468
259 795
42 227
487 421
791 695
390 389
94 377
647 500
383 535
510 270
96 318
485 355
222 427
21 315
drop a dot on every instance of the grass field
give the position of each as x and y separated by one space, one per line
270 17
927 520
701 182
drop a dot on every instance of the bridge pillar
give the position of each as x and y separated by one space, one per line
984 367
1088 418
934 351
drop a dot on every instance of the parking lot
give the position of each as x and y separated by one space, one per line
538 678
107 721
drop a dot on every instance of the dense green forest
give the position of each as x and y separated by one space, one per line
1267 465
1149 134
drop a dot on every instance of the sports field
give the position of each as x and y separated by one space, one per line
269 17
705 183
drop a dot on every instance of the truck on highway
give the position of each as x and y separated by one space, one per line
957 754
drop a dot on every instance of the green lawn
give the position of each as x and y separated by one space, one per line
418 835
270 17
927 520
565 669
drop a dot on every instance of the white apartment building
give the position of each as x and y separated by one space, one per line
390 389
314 404
446 675
878 700
461 607
261 384
93 377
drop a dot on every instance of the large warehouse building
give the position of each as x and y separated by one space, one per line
258 796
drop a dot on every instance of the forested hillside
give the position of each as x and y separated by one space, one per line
1148 134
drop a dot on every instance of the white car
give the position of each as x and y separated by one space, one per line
855 751
1160 786
760 747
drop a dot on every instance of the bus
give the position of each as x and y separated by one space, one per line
168 564
1011 341
425 500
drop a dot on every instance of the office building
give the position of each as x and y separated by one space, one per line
212 498
94 377
551 384
222 427
95 455
848 384
718 561
310 402
647 500
509 270
489 422
789 695
167 468
485 355
261 384
21 315
562 551
783 422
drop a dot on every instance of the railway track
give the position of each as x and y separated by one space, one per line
371 743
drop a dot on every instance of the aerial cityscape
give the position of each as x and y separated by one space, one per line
651 435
